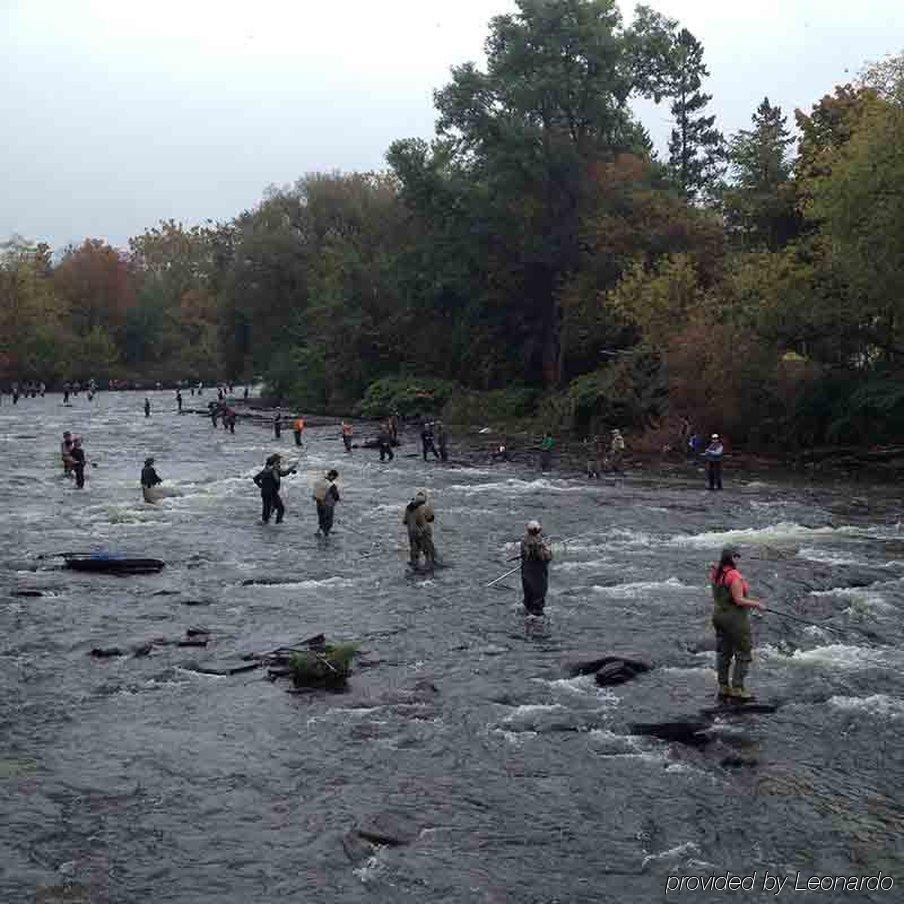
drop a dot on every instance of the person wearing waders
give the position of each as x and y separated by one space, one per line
384 442
731 620
66 453
214 410
442 437
277 423
535 559
78 462
547 445
65 393
713 455
298 429
179 400
427 440
326 495
149 479
616 450
418 519
229 418
147 407
268 481
347 436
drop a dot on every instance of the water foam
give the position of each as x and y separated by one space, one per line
643 588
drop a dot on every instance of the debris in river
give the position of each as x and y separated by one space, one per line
328 666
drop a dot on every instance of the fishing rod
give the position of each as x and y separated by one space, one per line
804 621
512 559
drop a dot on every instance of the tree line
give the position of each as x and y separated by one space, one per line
537 257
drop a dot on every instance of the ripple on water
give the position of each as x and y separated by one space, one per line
881 705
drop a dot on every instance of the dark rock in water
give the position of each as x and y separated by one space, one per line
619 672
105 652
165 593
730 708
143 649
739 762
685 731
27 592
196 632
192 642
356 848
388 828
194 602
575 664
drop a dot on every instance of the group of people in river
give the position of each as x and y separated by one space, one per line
732 603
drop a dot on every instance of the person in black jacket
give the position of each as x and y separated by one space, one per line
78 462
268 481
149 479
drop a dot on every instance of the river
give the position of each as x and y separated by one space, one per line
139 779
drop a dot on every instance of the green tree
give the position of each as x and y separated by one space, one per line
552 101
760 205
696 147
858 202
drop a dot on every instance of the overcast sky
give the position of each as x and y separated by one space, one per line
119 113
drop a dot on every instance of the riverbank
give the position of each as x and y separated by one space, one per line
479 445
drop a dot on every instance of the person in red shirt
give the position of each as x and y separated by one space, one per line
731 619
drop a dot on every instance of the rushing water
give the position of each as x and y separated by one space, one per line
138 779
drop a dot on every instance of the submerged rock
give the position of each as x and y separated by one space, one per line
588 663
27 591
105 652
356 848
620 671
388 828
685 731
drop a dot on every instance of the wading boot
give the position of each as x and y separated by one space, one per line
740 695
724 693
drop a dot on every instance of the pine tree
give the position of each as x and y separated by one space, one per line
696 147
761 207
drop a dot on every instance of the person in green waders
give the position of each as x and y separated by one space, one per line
547 445
731 619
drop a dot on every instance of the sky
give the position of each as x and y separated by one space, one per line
120 113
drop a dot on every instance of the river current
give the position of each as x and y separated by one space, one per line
141 779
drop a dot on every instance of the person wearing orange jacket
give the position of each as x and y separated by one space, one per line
298 429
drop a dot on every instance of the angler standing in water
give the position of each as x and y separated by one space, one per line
147 407
78 462
427 444
442 437
298 429
418 519
179 400
384 442
66 453
731 620
326 495
268 481
535 559
713 455
149 480
347 436
277 423
616 450
547 445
